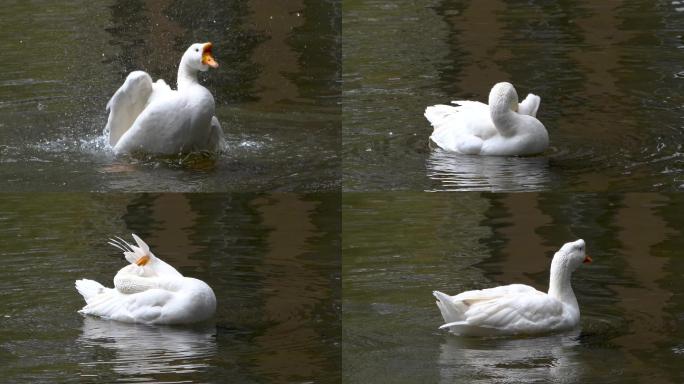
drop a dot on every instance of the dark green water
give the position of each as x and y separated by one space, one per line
399 247
276 92
609 74
271 259
318 95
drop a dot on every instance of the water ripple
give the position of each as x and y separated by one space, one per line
140 350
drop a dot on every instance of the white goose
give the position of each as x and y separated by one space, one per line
517 308
502 128
148 291
152 118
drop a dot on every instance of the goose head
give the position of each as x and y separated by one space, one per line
530 105
139 254
565 261
199 57
503 95
570 257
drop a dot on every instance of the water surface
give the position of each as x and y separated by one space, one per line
271 259
609 74
276 92
399 247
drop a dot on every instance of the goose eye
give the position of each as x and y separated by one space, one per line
196 49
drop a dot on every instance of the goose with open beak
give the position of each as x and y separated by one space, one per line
151 118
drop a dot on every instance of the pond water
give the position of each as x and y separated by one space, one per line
399 247
609 74
276 92
271 259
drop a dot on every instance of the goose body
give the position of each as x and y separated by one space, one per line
517 308
152 118
502 128
148 291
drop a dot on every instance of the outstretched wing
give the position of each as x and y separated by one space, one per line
127 103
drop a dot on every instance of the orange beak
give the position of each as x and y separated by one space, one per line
207 58
142 261
587 259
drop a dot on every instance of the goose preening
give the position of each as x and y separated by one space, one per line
148 291
152 118
502 128
517 308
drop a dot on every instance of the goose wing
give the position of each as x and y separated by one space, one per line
508 309
142 307
127 103
520 312
215 135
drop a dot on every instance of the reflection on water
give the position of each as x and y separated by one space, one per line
517 360
141 350
605 72
400 246
271 259
487 173
276 92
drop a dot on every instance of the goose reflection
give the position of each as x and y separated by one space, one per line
491 173
552 358
142 350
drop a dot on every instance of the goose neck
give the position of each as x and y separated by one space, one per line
560 286
501 114
187 75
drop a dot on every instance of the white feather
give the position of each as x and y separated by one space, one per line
502 128
153 294
152 118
